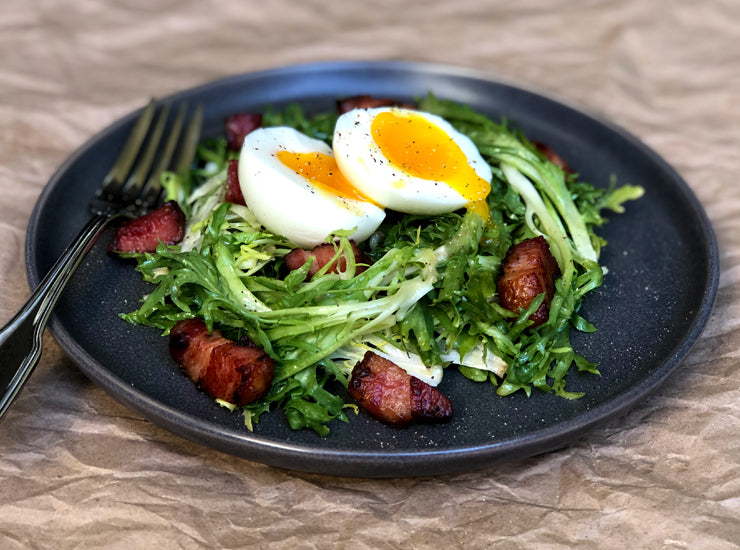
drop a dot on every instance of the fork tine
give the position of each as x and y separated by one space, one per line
138 175
139 193
152 190
190 145
169 149
120 169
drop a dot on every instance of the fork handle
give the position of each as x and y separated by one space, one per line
20 338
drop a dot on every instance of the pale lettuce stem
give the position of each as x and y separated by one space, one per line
557 237
235 287
555 189
382 321
310 319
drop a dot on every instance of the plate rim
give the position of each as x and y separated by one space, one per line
389 463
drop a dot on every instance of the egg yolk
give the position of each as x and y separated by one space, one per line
322 171
424 150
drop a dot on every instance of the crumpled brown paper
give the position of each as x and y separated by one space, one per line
79 470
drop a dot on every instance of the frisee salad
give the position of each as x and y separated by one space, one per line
428 300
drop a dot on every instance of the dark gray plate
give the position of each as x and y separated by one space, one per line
663 273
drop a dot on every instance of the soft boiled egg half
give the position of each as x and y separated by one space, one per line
293 186
406 160
411 161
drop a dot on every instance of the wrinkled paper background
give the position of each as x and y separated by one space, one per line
79 470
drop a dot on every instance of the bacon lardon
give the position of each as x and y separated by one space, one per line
368 102
529 270
239 125
165 224
391 395
322 255
237 372
233 188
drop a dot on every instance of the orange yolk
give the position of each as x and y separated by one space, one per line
426 151
322 171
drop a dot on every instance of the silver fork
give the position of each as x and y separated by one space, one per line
128 190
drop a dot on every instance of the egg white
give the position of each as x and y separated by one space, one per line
287 203
363 163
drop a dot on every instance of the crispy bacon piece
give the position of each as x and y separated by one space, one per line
553 157
237 372
322 255
529 269
233 189
368 102
143 234
239 125
389 393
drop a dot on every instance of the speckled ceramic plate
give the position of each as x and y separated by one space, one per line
655 301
